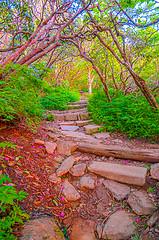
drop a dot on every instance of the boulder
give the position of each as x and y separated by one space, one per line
78 170
118 190
69 192
83 229
65 166
65 147
87 181
155 171
50 147
41 228
140 203
119 226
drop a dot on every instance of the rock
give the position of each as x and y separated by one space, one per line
102 135
83 230
65 147
102 194
155 171
119 226
118 190
70 192
87 181
153 219
78 136
59 117
54 179
38 141
65 166
50 147
54 136
72 123
71 116
82 123
89 129
120 173
78 170
69 128
41 228
48 128
140 203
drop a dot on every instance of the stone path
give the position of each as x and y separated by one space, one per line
110 181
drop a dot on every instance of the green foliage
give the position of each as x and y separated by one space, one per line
58 98
23 93
125 113
10 212
50 117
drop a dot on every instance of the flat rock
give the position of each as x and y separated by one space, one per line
59 117
84 116
78 170
119 226
50 147
87 181
38 141
118 190
54 179
41 228
82 123
102 194
54 136
69 128
102 135
65 147
78 135
89 129
83 229
120 173
140 203
48 128
65 166
71 123
70 192
155 171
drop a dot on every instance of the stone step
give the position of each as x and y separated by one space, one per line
92 128
68 111
76 106
71 116
120 173
78 123
78 103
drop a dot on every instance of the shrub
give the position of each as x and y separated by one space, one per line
125 113
10 212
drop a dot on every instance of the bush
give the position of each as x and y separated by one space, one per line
126 114
10 212
58 98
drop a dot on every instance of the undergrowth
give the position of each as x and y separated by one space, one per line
25 93
126 114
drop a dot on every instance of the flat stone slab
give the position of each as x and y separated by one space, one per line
69 128
119 226
71 123
140 203
82 123
102 135
59 117
78 135
71 116
65 166
41 228
120 173
78 170
65 147
118 190
50 147
70 192
89 129
87 181
155 171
